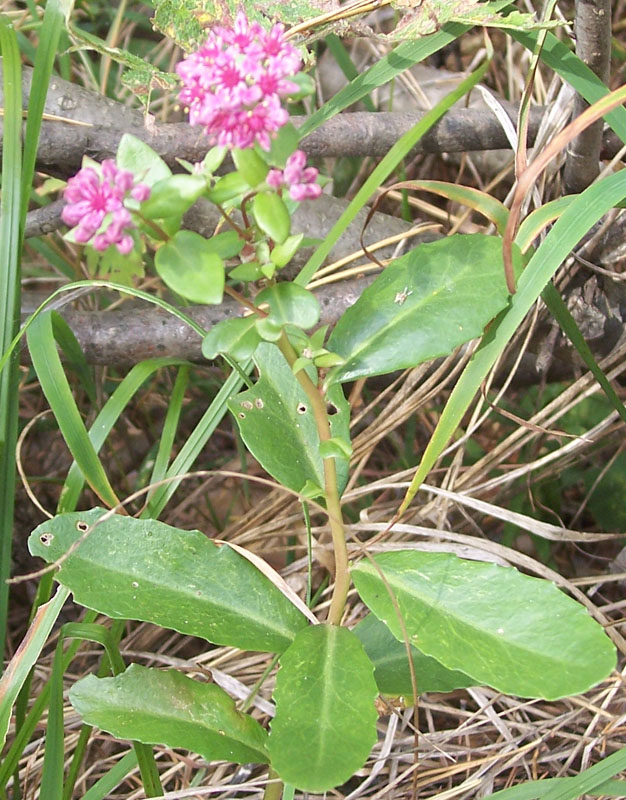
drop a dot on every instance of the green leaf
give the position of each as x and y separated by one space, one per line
114 265
271 216
421 21
520 635
392 673
250 166
250 271
173 196
227 244
282 254
232 186
165 707
277 424
143 569
284 144
423 305
305 84
140 159
188 265
325 723
234 337
335 448
290 303
213 159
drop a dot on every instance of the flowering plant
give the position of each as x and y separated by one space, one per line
473 622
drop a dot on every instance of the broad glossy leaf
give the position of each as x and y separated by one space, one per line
391 664
164 707
325 723
272 216
422 306
250 166
142 569
173 196
277 424
282 254
290 303
140 159
234 337
191 268
519 634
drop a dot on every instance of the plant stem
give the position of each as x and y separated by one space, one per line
333 506
273 790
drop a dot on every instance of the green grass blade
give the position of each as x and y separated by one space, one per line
103 787
54 385
573 70
21 663
539 219
561 314
51 28
10 275
346 65
74 356
53 757
97 284
385 168
584 211
591 778
403 57
166 441
193 446
538 790
104 422
22 737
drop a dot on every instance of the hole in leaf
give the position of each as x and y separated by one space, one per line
302 409
82 526
331 409
259 403
46 539
241 415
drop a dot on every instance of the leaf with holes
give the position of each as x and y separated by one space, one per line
164 707
142 569
422 306
325 723
277 423
521 635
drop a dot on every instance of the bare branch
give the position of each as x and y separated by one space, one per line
593 46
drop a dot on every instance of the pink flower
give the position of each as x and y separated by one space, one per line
300 179
93 200
234 83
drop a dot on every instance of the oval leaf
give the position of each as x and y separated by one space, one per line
190 267
165 707
235 337
391 665
325 723
250 166
277 424
140 159
290 303
519 634
422 306
271 216
172 196
142 569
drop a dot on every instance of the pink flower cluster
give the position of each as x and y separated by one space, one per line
300 179
90 197
234 84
